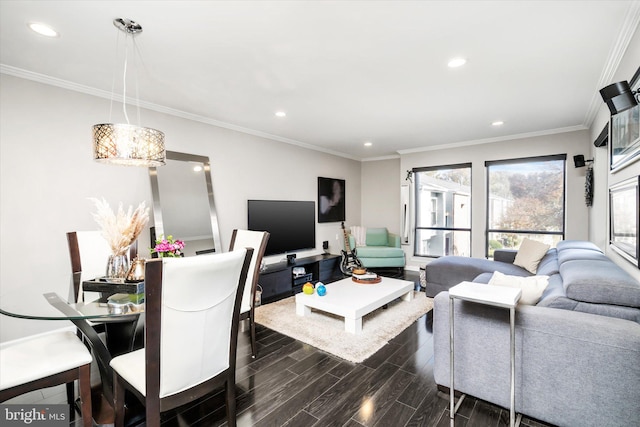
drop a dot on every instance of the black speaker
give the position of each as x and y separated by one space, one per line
603 138
578 161
618 97
291 259
325 245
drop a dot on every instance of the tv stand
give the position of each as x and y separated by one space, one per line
277 280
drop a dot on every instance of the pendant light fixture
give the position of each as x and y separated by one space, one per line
127 144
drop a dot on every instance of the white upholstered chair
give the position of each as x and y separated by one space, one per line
192 308
89 253
45 361
258 241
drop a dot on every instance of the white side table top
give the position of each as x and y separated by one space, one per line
499 296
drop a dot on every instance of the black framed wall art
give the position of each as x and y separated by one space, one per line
624 211
331 199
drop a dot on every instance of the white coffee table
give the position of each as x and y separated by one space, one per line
352 300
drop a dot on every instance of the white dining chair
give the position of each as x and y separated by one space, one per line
43 361
191 334
89 253
258 241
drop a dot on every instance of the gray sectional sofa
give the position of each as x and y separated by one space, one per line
577 349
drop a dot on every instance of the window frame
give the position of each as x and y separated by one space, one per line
521 160
465 165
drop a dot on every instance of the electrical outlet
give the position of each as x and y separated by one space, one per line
337 236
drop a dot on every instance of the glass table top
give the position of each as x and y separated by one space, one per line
50 306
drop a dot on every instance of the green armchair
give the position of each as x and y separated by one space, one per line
381 249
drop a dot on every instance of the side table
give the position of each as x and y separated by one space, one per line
497 296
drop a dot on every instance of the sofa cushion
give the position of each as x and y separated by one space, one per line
532 287
447 271
548 264
618 311
377 237
576 254
599 281
379 252
530 254
577 244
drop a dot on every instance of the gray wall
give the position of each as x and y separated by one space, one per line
381 194
47 175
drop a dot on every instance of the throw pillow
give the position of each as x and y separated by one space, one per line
529 255
360 234
532 286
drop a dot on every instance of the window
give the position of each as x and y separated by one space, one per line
443 210
624 208
525 199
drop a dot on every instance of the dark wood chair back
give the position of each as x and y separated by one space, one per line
258 241
192 308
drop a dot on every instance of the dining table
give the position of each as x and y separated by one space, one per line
122 323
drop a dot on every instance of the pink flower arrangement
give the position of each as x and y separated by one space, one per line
168 247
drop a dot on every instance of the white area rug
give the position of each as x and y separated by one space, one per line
326 331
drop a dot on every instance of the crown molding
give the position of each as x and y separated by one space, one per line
490 140
376 159
65 84
629 27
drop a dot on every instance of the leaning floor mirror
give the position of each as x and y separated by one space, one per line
183 203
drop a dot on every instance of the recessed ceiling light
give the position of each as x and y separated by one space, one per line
197 168
281 114
43 29
497 123
368 144
456 62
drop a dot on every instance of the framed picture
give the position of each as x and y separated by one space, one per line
624 210
625 133
331 199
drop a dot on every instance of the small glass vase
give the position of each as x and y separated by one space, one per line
117 267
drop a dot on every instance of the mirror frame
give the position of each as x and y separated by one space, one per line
155 192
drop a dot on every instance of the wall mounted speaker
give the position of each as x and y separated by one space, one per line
578 161
603 138
618 97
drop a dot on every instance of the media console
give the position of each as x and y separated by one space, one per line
277 280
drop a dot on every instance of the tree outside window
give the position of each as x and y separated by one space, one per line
526 198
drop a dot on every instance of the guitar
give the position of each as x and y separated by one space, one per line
349 257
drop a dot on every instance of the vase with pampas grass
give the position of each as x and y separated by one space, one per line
120 229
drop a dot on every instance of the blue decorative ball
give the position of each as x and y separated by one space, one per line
321 290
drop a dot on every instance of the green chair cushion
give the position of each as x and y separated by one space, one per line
383 262
379 252
377 237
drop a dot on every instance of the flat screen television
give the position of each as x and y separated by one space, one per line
291 224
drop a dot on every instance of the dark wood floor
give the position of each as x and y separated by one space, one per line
294 384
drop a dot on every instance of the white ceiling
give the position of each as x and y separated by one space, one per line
345 72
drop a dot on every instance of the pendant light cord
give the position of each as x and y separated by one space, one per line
136 54
124 80
113 78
